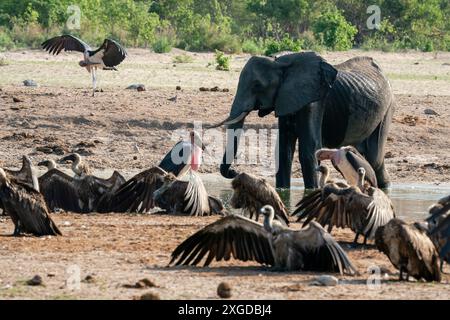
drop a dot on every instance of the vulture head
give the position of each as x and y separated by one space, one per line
167 181
49 164
73 157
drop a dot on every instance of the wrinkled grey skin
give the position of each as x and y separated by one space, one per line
318 105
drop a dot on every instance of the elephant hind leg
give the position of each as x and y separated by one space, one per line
374 146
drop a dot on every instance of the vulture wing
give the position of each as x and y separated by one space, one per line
67 42
258 193
25 174
135 195
29 207
380 212
232 235
112 53
59 191
320 251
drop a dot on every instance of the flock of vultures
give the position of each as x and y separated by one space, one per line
174 185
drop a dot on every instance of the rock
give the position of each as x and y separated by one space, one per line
326 281
135 158
89 279
150 296
141 88
225 90
35 281
17 99
214 89
136 87
389 155
203 89
30 83
224 290
430 112
178 88
141 284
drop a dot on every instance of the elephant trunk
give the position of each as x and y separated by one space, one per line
234 133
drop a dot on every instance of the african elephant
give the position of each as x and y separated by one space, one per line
319 105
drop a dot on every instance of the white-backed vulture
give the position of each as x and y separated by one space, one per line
438 223
186 197
251 193
26 207
270 243
347 160
347 207
409 249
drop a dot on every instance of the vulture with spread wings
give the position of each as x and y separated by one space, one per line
270 243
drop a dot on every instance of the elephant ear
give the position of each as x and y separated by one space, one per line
307 78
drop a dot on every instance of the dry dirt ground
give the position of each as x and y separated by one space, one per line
129 131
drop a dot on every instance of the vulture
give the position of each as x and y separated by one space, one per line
79 168
59 189
409 249
438 229
347 160
26 207
186 197
270 243
107 57
136 195
362 209
251 193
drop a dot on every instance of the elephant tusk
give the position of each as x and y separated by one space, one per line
229 121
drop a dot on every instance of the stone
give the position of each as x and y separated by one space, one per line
35 281
325 280
224 290
430 112
30 83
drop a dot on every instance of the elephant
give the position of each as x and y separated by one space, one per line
318 105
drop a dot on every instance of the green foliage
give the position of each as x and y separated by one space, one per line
285 44
183 58
253 47
222 61
232 25
332 30
162 44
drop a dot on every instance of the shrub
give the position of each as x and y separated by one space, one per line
222 61
285 44
332 30
184 58
6 43
162 44
252 47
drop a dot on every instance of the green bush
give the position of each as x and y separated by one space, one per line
285 44
6 43
252 47
184 58
222 61
162 44
333 31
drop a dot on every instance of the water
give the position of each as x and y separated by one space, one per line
411 201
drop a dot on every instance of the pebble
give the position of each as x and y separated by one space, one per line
224 290
35 281
30 83
430 112
326 281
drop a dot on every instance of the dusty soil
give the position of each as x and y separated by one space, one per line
60 116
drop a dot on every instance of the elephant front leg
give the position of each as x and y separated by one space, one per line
286 148
309 130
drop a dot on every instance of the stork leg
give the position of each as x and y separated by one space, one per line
401 274
94 81
355 241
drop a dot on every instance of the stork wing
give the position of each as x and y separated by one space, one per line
30 207
135 195
232 235
320 251
176 161
59 191
357 161
112 53
67 42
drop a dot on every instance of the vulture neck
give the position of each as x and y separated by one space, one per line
268 221
76 166
361 182
324 178
51 165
